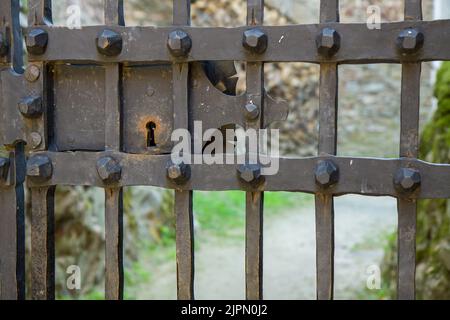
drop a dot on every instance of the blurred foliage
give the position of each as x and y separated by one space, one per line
433 217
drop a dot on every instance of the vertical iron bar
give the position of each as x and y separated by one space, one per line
42 243
12 229
113 107
10 18
12 216
329 11
413 10
183 199
328 109
185 245
114 276
42 199
39 12
409 144
254 200
114 16
114 243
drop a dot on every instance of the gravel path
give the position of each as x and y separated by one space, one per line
289 255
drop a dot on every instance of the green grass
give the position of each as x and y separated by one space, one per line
224 212
366 294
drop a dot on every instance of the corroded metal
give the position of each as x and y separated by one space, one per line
97 106
36 41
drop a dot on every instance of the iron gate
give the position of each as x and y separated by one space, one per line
96 106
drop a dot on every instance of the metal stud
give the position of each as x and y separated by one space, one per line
36 139
109 170
39 168
179 43
179 173
255 41
251 111
250 174
328 42
326 173
410 41
32 73
36 41
30 107
109 43
407 180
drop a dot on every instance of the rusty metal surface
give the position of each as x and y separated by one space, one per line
285 43
97 107
183 199
12 225
42 244
409 147
328 114
254 200
78 113
365 176
147 88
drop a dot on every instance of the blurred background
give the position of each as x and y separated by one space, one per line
369 125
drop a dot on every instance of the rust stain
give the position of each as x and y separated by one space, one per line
160 131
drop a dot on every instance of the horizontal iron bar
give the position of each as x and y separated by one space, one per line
366 176
286 43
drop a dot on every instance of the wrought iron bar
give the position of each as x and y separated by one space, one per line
40 168
12 166
254 199
292 43
365 176
114 279
328 109
409 145
183 198
42 243
12 225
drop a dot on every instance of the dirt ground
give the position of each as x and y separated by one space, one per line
289 255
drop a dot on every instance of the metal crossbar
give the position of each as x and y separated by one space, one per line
132 84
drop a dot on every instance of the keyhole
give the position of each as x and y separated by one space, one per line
151 126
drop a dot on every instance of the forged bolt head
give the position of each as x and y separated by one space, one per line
326 173
407 180
109 170
410 40
4 168
3 45
250 173
255 41
251 111
39 168
36 41
109 43
30 107
178 172
179 43
32 73
328 42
